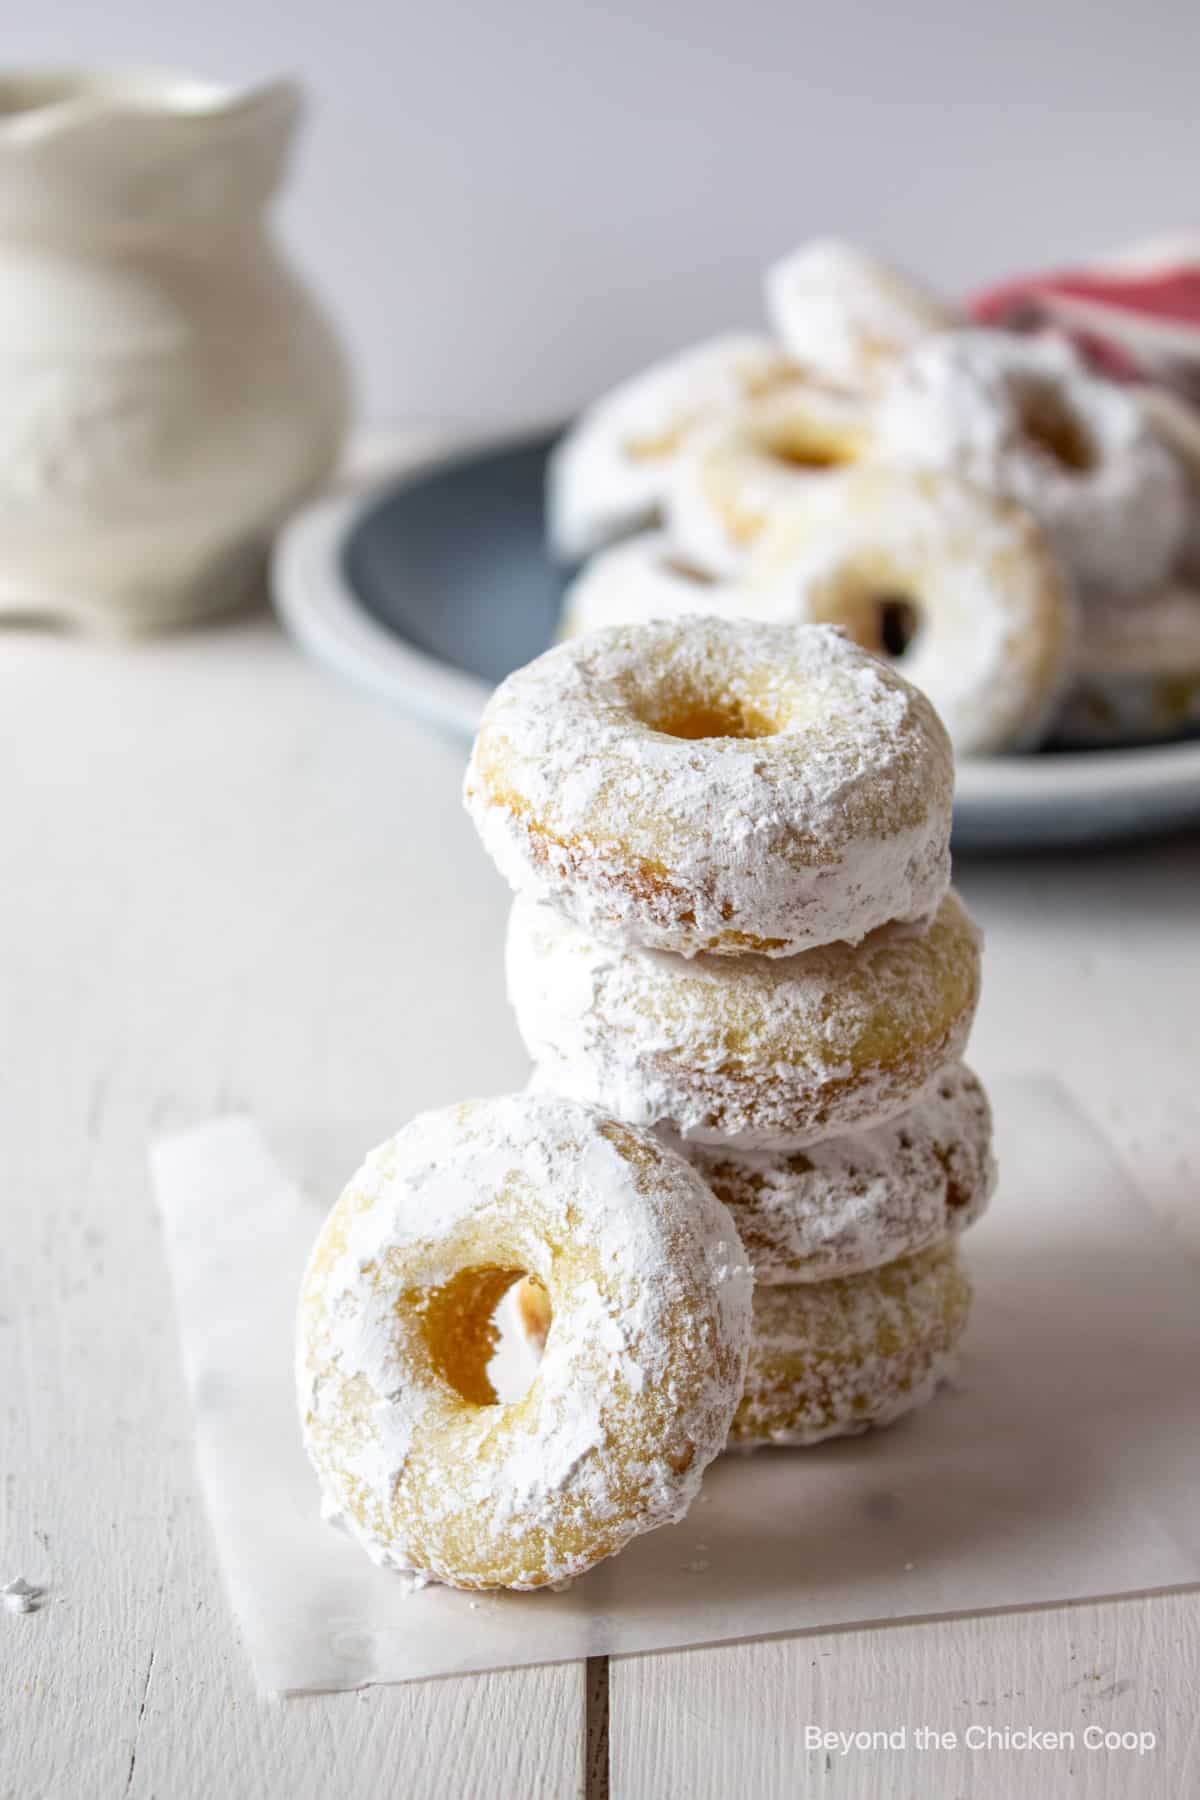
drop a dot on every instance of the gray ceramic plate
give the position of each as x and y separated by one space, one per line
430 588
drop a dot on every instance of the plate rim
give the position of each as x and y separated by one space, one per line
322 612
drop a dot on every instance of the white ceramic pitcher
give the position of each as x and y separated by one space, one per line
167 389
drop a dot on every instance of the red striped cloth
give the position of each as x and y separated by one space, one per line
1135 315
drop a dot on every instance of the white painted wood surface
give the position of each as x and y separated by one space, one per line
732 1721
227 880
224 881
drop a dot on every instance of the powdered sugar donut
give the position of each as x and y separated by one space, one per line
765 1054
739 474
1137 676
639 579
846 314
608 475
1020 416
957 586
833 1358
642 1368
716 785
854 1203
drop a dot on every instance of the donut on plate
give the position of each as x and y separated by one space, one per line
1137 673
956 586
853 1203
735 477
843 313
759 1052
833 1358
608 475
1021 417
642 1369
639 579
716 785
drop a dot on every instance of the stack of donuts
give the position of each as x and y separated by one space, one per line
1019 533
733 927
730 1199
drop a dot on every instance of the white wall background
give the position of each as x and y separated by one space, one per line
508 204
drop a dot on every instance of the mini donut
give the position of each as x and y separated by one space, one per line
835 1357
1137 677
716 785
638 579
765 1054
746 468
854 1203
958 587
641 1373
1021 417
608 475
843 313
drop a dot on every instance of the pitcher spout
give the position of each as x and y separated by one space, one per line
123 146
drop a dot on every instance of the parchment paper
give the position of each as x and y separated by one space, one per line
1065 1463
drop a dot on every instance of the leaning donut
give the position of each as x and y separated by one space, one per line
642 1369
844 313
608 475
735 477
716 785
853 1203
958 587
766 1054
836 1357
639 579
1021 417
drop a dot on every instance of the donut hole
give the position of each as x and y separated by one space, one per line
899 621
475 1336
883 618
689 714
807 444
523 1320
533 1311
1048 423
809 456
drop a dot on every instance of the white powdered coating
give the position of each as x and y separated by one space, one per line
854 1203
637 580
641 1374
991 406
740 473
846 314
835 1358
761 1053
995 619
608 475
836 822
1138 670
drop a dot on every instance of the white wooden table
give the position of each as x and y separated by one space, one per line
226 880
